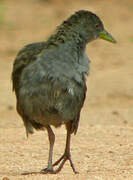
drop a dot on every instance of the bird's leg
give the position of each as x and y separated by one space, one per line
49 168
51 143
66 156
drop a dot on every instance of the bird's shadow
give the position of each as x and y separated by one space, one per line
32 172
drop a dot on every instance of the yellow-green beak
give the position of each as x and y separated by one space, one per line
107 36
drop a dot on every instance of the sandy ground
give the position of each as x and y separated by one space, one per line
103 146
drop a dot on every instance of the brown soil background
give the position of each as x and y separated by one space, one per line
103 146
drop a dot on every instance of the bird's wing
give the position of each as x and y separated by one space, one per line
25 56
55 63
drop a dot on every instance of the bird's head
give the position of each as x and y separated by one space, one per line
89 26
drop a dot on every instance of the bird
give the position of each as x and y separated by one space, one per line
49 80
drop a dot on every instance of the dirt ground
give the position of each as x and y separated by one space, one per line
103 146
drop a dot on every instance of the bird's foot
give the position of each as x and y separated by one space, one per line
50 170
66 156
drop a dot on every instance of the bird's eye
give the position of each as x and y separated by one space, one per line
96 25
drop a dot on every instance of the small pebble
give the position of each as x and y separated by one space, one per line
5 178
10 107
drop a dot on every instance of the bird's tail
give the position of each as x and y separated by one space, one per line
29 128
30 124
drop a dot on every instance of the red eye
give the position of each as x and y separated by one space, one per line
96 25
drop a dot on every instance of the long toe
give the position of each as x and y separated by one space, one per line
72 165
59 160
62 161
43 171
48 170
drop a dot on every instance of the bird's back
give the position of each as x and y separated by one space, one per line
52 88
25 56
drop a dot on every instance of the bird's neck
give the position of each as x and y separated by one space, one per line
67 35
